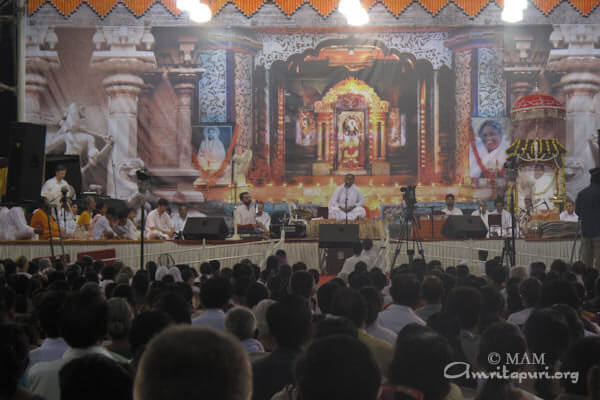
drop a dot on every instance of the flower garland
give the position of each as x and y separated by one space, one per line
486 172
534 150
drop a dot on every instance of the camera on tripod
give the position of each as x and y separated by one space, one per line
410 195
511 167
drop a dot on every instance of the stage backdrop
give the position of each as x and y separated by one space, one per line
286 113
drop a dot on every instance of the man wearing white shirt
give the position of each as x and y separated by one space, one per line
506 217
53 187
180 218
66 220
347 201
529 290
159 224
245 214
482 212
54 346
369 253
569 213
450 209
351 261
405 292
263 219
15 225
215 295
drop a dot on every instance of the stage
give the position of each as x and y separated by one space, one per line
449 252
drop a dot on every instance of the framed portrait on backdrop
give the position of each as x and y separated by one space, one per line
489 139
212 146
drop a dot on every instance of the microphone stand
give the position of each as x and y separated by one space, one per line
432 225
143 233
60 237
346 209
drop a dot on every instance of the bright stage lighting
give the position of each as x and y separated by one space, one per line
358 17
199 12
513 10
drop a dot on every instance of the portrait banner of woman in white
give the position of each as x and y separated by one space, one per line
487 154
212 145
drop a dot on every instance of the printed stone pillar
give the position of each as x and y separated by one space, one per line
575 53
480 88
40 58
184 83
124 52
243 97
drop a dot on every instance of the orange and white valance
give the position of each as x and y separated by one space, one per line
323 7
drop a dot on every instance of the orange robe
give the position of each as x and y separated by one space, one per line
39 220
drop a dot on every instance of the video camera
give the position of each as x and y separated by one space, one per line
511 168
410 195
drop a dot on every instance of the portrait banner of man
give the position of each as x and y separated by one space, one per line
488 143
212 146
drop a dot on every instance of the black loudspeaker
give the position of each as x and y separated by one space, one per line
25 161
338 235
464 227
211 228
279 217
73 170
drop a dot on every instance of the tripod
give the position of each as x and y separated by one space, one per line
508 250
409 222
577 236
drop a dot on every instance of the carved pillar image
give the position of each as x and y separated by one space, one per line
575 53
40 58
124 53
184 83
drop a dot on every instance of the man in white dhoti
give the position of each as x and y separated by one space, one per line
347 201
545 185
53 188
491 148
159 224
212 152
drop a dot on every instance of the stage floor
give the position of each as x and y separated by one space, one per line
449 252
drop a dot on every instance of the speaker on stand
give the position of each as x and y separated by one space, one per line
26 161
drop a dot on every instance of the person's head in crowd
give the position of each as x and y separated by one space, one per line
272 267
337 367
14 356
405 290
299 266
125 292
546 332
216 266
502 339
465 303
91 276
151 267
95 377
492 306
558 291
193 363
420 357
175 273
255 293
462 271
367 244
161 272
174 305
119 318
188 276
144 327
432 290
559 266
576 328
140 285
22 264
519 272
378 278
358 280
578 359
578 268
277 287
446 325
241 323
357 249
285 272
350 304
374 301
361 267
334 326
84 319
290 322
264 334
325 295
301 284
513 298
216 293
108 289
225 273
530 290
282 256
49 313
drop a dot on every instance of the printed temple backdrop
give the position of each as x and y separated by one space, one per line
287 112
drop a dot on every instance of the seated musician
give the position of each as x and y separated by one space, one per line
15 225
244 215
450 209
158 223
506 217
569 213
104 227
43 223
347 201
263 219
482 212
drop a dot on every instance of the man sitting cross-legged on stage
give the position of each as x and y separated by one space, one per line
158 223
347 201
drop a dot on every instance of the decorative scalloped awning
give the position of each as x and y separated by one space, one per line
537 105
323 7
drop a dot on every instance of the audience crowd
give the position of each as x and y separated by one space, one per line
96 331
